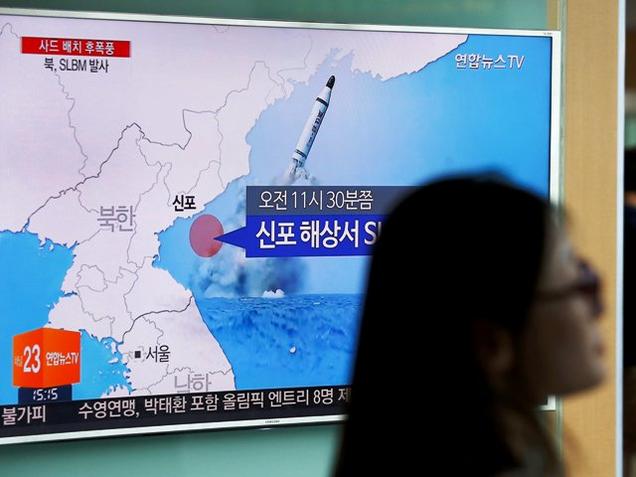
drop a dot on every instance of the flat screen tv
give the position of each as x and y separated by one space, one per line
189 204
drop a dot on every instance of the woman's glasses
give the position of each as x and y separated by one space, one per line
587 284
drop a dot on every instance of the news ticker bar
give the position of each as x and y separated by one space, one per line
158 410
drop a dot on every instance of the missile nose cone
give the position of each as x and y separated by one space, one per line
330 83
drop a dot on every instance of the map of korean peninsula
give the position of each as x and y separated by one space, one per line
100 158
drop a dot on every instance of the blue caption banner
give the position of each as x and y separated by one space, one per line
306 235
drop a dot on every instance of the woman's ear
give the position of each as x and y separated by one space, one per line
494 347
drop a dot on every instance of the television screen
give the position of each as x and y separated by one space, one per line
189 205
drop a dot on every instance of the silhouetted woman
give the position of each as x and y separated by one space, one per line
477 309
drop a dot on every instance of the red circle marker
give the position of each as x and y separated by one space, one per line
203 233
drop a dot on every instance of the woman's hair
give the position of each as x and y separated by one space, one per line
452 253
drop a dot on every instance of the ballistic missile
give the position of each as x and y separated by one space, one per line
308 136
